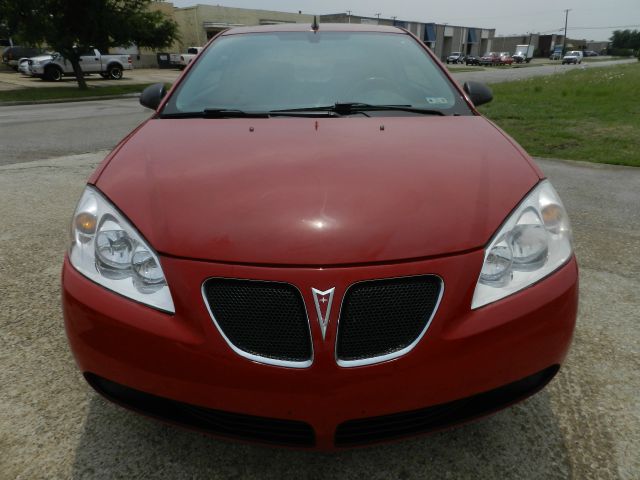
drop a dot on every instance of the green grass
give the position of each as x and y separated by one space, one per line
66 93
584 114
607 59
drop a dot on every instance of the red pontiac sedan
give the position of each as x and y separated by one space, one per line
321 263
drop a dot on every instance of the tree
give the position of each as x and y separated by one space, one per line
71 26
626 39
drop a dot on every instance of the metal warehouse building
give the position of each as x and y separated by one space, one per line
441 38
199 23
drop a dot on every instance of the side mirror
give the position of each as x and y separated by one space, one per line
478 92
153 95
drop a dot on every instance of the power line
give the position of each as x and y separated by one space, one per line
603 28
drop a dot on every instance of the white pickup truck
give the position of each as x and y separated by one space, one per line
108 66
185 58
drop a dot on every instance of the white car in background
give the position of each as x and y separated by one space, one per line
574 56
55 66
25 64
186 58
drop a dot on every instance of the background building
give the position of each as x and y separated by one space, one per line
199 23
441 38
543 44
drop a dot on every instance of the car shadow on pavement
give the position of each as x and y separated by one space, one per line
521 442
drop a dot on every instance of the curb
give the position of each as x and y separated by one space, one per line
69 100
587 164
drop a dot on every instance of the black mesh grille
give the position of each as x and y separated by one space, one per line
266 319
384 316
376 429
226 424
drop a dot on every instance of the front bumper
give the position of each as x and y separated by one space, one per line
183 357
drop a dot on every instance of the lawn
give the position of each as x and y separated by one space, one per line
585 114
66 93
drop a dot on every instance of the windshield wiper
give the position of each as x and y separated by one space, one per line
216 113
232 113
337 109
303 112
357 107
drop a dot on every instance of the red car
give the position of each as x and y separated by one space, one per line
324 264
490 59
506 58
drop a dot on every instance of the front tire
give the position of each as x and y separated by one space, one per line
114 72
52 74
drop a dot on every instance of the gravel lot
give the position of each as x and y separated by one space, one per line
586 424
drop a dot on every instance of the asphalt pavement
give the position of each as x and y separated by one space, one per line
50 130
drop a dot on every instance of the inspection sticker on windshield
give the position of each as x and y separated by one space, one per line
437 100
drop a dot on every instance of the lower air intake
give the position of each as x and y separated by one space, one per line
291 433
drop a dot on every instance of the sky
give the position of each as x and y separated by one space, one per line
588 19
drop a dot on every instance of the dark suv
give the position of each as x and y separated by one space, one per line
11 55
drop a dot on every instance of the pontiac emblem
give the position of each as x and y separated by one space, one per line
323 301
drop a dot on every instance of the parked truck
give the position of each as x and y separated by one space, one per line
186 58
108 66
524 53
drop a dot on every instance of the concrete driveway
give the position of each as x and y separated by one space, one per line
585 425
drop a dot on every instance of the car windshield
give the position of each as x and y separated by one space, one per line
264 72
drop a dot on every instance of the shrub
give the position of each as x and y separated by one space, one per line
620 52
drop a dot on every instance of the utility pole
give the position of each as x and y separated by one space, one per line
394 20
566 20
349 14
378 15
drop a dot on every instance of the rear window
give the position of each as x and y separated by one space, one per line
288 70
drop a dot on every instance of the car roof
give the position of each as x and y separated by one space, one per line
306 27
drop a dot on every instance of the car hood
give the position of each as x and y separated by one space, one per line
326 191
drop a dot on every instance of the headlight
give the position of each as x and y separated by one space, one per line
107 249
533 242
